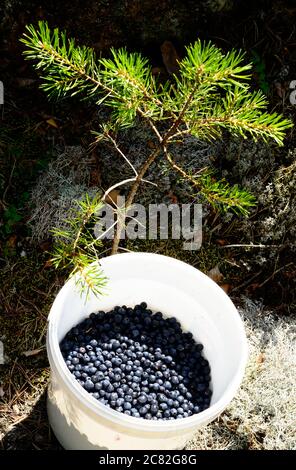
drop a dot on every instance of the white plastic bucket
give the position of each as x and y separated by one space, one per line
176 289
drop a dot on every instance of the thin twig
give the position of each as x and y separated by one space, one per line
162 146
132 194
128 180
91 244
275 272
116 185
251 246
121 153
9 183
247 282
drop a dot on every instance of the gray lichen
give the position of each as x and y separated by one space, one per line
262 415
280 196
66 180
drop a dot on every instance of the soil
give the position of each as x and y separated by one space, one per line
33 128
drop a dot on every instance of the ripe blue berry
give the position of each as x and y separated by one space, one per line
132 360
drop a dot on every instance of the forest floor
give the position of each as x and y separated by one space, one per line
260 280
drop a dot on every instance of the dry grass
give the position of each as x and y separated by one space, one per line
27 289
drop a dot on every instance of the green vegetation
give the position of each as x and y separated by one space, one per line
209 96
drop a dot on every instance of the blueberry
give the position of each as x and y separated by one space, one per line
127 405
154 408
163 406
88 385
158 365
166 374
162 397
135 386
174 412
143 410
140 359
142 399
116 361
175 380
117 318
147 321
105 383
115 345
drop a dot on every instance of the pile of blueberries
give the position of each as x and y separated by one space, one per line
139 363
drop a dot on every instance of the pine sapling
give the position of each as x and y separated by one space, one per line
211 94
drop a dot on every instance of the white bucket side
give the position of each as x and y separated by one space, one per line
176 289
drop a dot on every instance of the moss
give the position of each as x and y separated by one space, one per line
204 259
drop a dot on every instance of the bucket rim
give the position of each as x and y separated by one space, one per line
58 364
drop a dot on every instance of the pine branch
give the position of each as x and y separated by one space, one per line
241 112
210 67
218 193
75 249
210 94
124 82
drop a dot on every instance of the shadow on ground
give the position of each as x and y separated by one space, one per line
31 433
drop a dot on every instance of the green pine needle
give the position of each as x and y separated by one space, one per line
210 94
75 249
